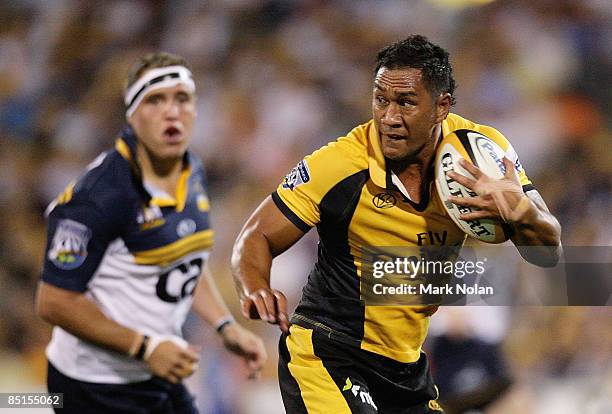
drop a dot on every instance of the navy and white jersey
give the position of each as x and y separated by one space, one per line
135 251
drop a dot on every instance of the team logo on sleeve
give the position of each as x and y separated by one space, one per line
297 176
69 245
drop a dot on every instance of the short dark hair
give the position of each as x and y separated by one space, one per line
418 52
151 61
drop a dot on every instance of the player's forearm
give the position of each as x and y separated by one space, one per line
539 228
538 237
76 314
251 262
207 301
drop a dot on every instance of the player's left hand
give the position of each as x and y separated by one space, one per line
499 199
247 345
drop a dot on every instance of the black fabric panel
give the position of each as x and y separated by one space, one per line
289 388
152 396
332 295
299 223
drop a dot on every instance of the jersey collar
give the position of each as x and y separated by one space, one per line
126 146
381 175
376 159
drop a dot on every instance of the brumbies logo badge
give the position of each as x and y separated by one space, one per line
297 176
69 245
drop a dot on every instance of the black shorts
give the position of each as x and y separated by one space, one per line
318 375
155 396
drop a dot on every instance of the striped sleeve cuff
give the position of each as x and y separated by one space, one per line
528 187
287 212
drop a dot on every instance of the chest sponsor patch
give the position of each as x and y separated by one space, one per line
69 245
297 176
186 227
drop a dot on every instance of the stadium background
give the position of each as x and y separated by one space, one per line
277 79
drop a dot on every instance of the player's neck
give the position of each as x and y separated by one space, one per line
162 173
415 172
418 164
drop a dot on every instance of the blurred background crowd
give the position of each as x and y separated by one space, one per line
278 79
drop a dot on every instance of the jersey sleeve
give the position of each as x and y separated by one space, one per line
511 154
78 233
300 193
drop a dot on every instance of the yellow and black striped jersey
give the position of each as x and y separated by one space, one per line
347 192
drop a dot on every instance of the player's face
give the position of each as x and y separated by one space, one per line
164 121
405 113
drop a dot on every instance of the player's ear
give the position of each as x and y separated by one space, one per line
443 104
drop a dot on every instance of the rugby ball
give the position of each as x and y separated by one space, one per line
486 155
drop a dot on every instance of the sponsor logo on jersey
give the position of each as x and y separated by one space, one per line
186 227
432 238
179 282
150 217
69 245
299 175
357 391
384 200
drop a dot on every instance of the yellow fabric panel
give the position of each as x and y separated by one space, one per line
377 167
454 122
163 202
182 188
326 166
165 255
396 332
401 225
319 391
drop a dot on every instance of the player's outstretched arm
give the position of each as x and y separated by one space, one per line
209 305
168 358
537 233
266 234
